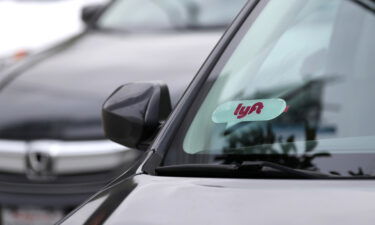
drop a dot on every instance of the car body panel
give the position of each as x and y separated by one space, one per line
145 199
103 62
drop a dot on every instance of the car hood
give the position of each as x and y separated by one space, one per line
60 95
150 200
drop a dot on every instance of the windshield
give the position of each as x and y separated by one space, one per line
144 15
294 87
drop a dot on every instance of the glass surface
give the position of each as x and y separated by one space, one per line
143 15
309 64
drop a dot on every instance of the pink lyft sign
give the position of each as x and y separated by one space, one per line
235 112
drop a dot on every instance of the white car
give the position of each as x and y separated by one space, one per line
28 26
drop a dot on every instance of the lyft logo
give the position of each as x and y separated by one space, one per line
235 112
242 111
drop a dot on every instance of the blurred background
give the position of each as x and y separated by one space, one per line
43 22
59 61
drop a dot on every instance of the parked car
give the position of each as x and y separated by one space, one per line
276 128
53 153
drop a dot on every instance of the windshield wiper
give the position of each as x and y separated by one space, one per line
256 169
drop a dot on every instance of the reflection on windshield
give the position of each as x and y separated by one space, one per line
279 136
143 15
316 56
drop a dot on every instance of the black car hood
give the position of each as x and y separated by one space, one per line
60 96
150 200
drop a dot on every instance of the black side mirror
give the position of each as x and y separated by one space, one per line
91 12
134 112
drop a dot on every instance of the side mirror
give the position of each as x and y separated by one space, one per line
90 12
134 112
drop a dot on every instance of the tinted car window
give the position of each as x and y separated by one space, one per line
298 92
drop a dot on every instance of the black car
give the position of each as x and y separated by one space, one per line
53 153
276 128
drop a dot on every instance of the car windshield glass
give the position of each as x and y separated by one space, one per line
295 87
144 15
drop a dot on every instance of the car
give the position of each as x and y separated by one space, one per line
53 152
276 128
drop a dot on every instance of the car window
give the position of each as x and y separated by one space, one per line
143 15
298 84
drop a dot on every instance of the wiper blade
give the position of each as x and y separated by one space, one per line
295 173
256 169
